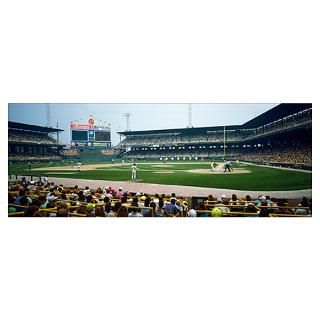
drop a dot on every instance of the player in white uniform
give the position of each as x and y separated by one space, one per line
79 166
213 165
133 172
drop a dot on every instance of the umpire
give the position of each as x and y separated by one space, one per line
227 166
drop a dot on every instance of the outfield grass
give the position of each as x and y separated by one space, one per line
260 178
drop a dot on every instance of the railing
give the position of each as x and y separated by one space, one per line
75 214
244 204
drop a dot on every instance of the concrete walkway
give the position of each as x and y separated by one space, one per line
187 191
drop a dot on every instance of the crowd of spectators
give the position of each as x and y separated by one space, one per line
285 123
175 154
47 199
33 158
32 138
70 152
302 155
216 136
289 155
107 152
174 139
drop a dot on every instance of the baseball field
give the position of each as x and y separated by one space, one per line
198 174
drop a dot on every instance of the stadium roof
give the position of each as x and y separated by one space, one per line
31 127
181 130
278 112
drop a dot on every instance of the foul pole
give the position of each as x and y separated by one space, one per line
224 142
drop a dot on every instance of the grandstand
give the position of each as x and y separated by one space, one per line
33 143
281 136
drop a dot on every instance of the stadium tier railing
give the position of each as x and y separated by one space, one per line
152 213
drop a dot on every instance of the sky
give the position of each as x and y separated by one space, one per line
143 116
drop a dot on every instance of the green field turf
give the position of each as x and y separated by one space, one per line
260 178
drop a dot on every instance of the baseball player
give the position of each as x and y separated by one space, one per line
213 165
133 172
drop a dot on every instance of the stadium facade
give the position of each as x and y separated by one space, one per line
28 142
280 136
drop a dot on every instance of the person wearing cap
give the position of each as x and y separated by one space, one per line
261 199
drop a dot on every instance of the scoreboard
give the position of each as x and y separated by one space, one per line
90 135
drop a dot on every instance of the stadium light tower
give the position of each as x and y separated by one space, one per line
57 131
190 115
127 116
48 113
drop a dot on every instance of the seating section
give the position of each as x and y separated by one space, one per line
44 199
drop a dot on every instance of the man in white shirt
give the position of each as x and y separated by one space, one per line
133 172
79 166
213 165
135 214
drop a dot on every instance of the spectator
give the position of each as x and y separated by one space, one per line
82 210
282 208
264 210
170 209
120 193
250 208
99 212
222 206
216 212
62 210
304 203
31 211
107 207
90 210
192 213
134 213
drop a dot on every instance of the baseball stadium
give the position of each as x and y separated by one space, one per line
261 168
